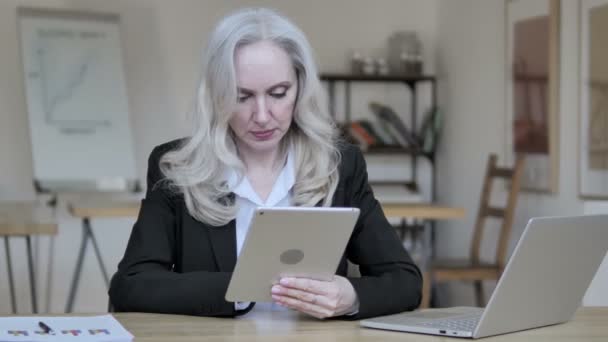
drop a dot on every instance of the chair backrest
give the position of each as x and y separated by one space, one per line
505 213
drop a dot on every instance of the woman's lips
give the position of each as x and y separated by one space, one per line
263 135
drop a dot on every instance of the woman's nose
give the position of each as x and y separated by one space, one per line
261 114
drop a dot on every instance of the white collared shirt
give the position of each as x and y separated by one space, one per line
247 200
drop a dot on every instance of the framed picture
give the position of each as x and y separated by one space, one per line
593 103
532 90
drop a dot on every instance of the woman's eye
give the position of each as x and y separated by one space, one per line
243 98
278 95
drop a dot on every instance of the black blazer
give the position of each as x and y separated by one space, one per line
176 264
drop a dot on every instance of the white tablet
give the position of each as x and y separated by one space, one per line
289 241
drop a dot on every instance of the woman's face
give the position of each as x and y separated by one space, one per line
267 91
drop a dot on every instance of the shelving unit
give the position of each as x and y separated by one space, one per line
411 83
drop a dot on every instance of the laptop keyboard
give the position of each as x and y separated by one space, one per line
466 323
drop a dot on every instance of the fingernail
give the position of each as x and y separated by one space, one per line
276 298
275 289
285 281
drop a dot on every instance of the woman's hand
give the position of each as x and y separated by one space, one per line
317 298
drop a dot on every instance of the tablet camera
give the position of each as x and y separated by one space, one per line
292 256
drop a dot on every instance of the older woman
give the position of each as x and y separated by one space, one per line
262 137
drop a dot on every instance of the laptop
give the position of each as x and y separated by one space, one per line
543 283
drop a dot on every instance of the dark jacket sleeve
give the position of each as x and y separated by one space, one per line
390 282
145 280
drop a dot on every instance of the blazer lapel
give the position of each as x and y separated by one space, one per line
223 242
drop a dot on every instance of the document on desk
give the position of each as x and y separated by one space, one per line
104 328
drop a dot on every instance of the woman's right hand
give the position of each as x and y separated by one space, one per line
320 299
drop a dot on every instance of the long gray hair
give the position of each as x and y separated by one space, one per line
197 168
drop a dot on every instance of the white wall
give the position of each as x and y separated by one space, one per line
471 65
162 43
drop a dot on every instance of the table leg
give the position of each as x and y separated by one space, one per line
78 269
432 240
87 233
406 237
30 262
402 229
98 254
430 253
9 268
426 290
426 247
49 274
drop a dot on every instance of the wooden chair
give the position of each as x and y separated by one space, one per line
473 269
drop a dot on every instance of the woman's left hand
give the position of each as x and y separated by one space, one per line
317 298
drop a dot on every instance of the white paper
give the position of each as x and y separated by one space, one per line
83 328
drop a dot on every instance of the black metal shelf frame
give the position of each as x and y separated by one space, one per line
411 82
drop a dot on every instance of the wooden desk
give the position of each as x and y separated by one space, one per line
24 219
589 324
87 208
104 207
